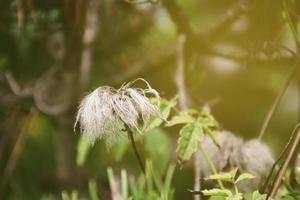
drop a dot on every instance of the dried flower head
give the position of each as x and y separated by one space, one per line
106 111
226 155
257 159
250 156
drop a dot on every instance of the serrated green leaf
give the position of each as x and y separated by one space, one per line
244 176
190 135
182 118
217 192
83 148
165 108
225 176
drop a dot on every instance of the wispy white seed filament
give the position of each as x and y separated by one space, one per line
104 113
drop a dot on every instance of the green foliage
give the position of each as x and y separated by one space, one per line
229 177
119 148
149 186
197 124
190 135
83 148
66 196
158 148
165 108
217 192
93 194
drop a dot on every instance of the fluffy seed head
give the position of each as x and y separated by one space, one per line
223 156
250 156
257 159
106 111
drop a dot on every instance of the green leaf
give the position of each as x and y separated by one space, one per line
227 176
217 192
167 191
65 196
93 190
244 176
124 184
158 147
190 135
182 118
118 149
257 196
74 195
237 196
83 148
165 108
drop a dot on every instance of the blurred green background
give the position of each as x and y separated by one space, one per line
53 52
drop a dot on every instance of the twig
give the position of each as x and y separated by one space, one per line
20 14
15 154
277 100
15 87
283 152
183 102
180 74
131 138
232 15
286 163
89 36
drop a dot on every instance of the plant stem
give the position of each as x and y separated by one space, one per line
283 152
211 164
235 188
130 137
286 163
277 100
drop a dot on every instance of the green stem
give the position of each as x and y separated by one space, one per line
235 188
211 164
290 22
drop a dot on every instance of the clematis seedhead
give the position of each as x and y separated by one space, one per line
106 112
251 156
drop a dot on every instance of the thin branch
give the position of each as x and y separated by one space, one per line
20 14
283 152
15 87
180 73
131 138
15 154
89 36
286 163
232 15
277 100
183 102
